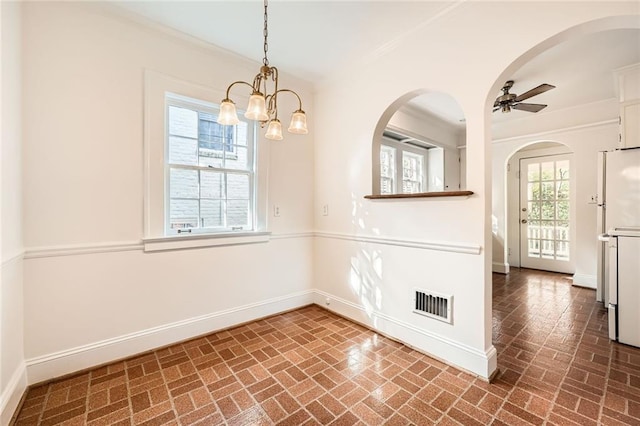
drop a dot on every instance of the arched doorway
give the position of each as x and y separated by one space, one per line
540 207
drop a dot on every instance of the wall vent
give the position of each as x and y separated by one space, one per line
433 305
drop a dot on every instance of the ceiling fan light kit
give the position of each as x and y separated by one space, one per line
508 101
263 105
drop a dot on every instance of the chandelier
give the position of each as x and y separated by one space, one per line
263 106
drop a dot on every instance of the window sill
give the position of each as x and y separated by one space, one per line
181 242
439 194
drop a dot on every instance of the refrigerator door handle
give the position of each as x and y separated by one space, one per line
613 270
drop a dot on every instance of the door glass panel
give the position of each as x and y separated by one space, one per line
562 170
547 209
563 190
548 191
563 210
546 171
533 190
533 172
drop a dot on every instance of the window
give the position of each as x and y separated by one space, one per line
209 170
401 164
387 169
412 176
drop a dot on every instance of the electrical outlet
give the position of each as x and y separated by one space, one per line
276 211
325 210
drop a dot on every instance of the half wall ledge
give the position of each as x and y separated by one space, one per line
420 195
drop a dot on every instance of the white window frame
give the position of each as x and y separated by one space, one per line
155 237
172 99
420 171
392 166
400 149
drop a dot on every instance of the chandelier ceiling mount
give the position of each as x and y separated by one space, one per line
263 105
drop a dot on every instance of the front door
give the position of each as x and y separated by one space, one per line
545 213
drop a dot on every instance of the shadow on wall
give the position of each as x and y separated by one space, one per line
365 276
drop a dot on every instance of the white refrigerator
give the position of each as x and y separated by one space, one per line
618 201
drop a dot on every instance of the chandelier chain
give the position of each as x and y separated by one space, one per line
265 33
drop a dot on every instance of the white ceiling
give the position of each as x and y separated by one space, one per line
308 39
312 39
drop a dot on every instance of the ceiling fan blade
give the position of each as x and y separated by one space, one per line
535 91
495 109
529 107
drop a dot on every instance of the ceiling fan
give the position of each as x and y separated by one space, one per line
508 101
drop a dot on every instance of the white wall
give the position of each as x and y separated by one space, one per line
91 293
12 368
396 240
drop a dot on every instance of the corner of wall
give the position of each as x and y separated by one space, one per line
12 394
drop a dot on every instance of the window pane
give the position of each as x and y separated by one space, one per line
210 159
183 151
548 192
386 185
237 213
548 249
533 173
533 229
237 158
534 211
562 250
562 230
183 122
412 176
547 170
563 190
548 210
183 183
562 169
237 186
213 136
183 214
212 213
563 210
211 184
546 230
533 191
533 248
242 134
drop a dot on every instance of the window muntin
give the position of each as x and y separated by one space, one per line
210 171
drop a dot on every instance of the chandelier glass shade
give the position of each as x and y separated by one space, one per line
263 104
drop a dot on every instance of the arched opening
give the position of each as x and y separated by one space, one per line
581 119
540 215
417 145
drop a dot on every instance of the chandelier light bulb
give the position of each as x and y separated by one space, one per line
274 131
298 123
228 115
257 108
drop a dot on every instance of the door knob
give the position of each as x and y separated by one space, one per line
523 221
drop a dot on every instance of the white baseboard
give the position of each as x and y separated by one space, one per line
50 366
61 363
501 268
12 394
442 348
583 280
